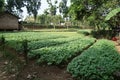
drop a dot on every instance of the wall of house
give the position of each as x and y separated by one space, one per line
8 21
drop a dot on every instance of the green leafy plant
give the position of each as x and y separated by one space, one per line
3 39
61 53
25 50
112 13
86 33
99 62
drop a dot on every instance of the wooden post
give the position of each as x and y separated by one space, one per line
2 42
25 50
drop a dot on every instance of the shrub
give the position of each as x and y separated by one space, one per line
84 32
103 34
99 62
2 40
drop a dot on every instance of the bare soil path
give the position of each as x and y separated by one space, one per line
117 45
3 74
32 71
42 72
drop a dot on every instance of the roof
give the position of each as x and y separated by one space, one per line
6 12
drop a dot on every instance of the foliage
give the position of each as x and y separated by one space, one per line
15 40
15 6
50 42
52 10
49 47
32 36
93 11
61 53
42 19
33 7
41 39
63 8
113 18
99 62
85 32
112 13
2 43
2 39
99 34
48 19
53 7
1 5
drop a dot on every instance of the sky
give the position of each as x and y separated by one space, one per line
44 5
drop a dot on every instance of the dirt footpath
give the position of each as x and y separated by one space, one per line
3 74
32 71
117 44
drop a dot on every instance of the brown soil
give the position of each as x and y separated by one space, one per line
32 71
117 44
4 75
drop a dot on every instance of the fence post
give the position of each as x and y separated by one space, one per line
2 42
25 50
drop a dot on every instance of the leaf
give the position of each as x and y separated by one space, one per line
112 13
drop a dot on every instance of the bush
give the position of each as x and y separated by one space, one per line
84 32
2 39
103 34
99 62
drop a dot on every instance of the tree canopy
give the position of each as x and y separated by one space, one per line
1 5
33 6
63 8
93 11
52 7
15 6
112 13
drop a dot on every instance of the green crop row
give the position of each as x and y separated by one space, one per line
34 36
41 43
51 42
61 53
30 36
99 62
37 39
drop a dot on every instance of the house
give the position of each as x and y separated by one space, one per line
8 21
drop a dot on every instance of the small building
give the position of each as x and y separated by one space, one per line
8 21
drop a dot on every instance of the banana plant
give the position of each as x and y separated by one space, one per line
112 14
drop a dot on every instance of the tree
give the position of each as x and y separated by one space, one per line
52 9
63 9
113 18
14 6
32 7
93 11
42 19
1 5
29 19
112 13
46 12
